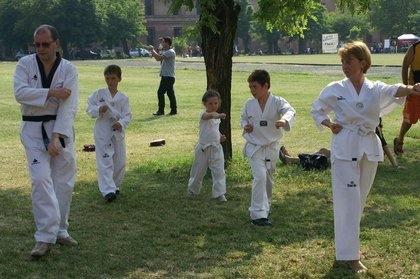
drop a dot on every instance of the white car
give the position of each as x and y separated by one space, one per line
139 52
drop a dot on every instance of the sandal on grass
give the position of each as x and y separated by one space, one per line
398 147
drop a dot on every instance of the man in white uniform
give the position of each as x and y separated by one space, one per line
46 87
264 119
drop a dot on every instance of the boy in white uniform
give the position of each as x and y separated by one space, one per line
111 109
46 87
264 120
355 149
209 151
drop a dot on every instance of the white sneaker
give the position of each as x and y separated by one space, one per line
221 198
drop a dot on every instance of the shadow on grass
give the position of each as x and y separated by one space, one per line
154 231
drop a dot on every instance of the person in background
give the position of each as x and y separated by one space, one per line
46 87
357 104
167 75
410 72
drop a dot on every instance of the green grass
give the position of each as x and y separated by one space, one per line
154 231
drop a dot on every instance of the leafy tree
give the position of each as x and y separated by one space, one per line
122 21
80 22
394 18
348 26
218 23
244 23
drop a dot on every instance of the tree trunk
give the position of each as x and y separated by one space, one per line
218 50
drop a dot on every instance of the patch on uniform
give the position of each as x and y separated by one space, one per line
351 184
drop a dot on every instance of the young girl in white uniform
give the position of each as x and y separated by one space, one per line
264 120
209 151
355 148
111 109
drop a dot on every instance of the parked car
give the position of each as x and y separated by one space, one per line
20 54
139 52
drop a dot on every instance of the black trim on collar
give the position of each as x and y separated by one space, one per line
46 81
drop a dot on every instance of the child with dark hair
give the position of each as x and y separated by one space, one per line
209 151
264 119
111 109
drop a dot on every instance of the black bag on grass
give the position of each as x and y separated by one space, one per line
313 161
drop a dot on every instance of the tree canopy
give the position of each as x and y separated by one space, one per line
80 22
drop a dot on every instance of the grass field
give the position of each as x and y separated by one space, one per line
154 231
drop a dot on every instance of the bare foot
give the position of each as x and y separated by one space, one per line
356 266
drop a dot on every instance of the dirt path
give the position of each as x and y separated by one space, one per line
383 71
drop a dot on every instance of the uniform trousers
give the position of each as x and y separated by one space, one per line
53 181
210 157
110 163
262 186
351 183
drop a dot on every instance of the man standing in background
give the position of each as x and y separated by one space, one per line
167 74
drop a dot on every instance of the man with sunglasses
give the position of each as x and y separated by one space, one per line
46 87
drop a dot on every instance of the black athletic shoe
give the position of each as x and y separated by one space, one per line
262 222
117 192
158 113
110 197
172 112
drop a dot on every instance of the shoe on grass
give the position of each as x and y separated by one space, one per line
40 249
221 198
261 222
67 241
110 197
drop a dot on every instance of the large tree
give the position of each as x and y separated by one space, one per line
80 22
122 22
394 18
218 24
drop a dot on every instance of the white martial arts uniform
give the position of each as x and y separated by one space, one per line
109 143
355 152
53 178
208 154
262 147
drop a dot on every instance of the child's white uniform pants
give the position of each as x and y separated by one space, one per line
210 156
110 163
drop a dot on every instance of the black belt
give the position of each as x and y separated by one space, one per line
41 118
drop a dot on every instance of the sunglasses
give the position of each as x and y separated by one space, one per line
44 44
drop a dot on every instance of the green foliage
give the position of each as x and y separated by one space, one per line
395 17
343 23
245 23
80 22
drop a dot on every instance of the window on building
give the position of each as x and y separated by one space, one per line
177 31
151 36
148 7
